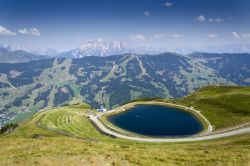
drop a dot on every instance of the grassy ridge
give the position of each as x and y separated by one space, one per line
223 106
33 145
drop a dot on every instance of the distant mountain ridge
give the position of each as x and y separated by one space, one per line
17 56
103 49
100 48
113 80
30 49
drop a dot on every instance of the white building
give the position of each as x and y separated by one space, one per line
102 109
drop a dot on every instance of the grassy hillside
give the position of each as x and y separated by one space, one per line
223 106
64 136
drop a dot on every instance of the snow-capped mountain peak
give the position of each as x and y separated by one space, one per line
101 48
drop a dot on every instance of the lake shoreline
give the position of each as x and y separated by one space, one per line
207 127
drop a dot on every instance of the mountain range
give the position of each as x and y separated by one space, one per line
8 56
113 80
101 48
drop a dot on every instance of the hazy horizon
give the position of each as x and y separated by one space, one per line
169 24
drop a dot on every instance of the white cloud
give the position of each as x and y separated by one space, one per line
218 20
176 35
212 35
168 4
30 31
215 20
158 36
146 13
201 18
137 37
5 31
245 35
23 31
163 36
236 35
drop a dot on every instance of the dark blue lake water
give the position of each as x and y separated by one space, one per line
157 121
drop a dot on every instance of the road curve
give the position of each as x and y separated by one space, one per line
188 139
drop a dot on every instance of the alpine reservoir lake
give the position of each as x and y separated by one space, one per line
157 121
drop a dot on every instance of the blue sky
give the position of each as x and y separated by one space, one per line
65 24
